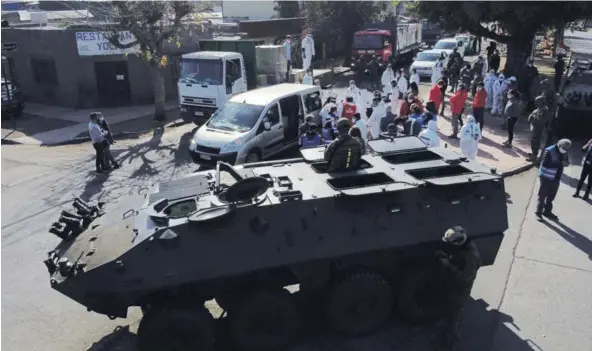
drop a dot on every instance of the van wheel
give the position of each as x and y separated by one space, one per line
253 156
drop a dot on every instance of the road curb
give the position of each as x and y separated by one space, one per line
125 135
518 169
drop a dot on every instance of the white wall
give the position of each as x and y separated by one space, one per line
256 10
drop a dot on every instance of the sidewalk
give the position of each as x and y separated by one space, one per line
548 291
50 125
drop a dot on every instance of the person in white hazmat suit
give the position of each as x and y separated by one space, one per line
430 135
414 77
393 91
437 71
470 134
498 101
402 82
307 79
378 112
308 52
387 76
488 83
353 91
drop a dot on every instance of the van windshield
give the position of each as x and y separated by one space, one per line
201 71
236 117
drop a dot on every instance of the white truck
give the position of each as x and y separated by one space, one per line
207 80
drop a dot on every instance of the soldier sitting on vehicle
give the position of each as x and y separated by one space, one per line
345 152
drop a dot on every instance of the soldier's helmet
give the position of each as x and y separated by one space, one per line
343 123
456 235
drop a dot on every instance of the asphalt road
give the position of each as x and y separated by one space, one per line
36 182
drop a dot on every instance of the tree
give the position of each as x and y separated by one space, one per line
287 9
519 21
332 21
152 24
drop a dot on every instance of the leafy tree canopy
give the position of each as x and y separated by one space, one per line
287 9
520 20
339 20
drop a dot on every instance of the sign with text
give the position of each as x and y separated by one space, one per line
97 44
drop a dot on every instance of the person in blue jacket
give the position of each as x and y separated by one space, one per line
311 138
553 160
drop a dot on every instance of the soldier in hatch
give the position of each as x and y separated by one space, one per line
461 260
345 152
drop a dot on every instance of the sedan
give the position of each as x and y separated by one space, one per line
424 62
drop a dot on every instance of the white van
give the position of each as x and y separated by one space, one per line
255 125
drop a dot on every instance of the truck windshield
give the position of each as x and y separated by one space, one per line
236 117
445 45
201 71
368 42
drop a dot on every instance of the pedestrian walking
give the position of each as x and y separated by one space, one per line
497 87
437 70
470 134
436 94
443 88
586 171
559 67
414 77
490 78
538 119
479 104
457 104
454 74
553 160
494 61
97 137
461 261
512 111
104 125
288 50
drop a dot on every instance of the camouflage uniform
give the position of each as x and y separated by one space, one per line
462 263
538 119
345 152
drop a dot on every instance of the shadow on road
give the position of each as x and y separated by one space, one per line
576 239
480 328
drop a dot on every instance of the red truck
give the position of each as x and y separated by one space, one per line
386 43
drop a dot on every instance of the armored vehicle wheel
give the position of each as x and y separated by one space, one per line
423 296
359 303
264 320
176 329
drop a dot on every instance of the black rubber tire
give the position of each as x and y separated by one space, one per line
177 329
268 307
368 288
251 154
423 296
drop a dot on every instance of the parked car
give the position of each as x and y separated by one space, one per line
448 44
424 61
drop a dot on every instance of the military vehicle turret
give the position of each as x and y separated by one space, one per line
363 240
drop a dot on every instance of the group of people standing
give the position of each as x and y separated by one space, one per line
102 139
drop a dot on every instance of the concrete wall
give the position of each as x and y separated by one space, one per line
77 85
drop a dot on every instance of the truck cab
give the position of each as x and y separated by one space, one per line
372 42
207 80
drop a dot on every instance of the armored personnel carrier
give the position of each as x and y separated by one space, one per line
363 240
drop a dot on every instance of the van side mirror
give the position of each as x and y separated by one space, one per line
460 43
266 125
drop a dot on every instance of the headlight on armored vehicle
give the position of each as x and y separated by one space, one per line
232 146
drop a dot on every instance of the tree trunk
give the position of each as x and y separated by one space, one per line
159 93
516 57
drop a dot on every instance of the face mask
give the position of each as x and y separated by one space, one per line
352 85
562 150
409 100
